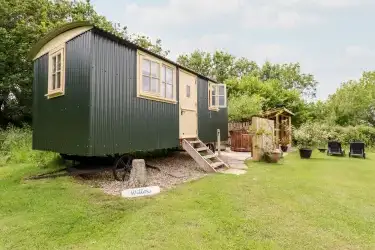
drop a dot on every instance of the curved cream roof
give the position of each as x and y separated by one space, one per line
58 36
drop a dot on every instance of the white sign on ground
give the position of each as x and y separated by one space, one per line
143 191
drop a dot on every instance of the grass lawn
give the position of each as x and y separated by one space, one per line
321 203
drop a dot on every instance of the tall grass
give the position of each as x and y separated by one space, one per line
16 147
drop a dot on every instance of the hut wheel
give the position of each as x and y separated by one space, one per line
122 167
211 146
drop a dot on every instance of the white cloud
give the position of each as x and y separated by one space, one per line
207 42
324 3
359 51
176 12
272 14
339 3
276 16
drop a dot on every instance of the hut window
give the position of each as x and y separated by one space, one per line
56 72
217 96
166 89
150 76
187 90
157 80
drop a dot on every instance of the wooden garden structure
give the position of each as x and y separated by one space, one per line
282 118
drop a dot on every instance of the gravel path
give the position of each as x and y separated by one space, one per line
174 170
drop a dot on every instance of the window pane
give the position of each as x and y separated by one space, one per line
155 69
145 83
187 90
213 100
155 85
221 100
162 89
58 80
221 90
169 91
146 67
53 81
163 74
59 62
54 64
169 75
213 90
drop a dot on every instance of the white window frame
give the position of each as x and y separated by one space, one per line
156 96
217 106
56 91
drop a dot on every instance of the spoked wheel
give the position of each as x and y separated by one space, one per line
211 146
122 167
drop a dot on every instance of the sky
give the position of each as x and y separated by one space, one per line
332 39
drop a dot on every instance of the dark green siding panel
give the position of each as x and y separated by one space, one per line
209 121
61 124
121 122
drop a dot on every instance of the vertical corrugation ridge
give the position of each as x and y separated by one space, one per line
123 122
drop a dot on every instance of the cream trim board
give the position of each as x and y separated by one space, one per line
61 39
152 95
61 90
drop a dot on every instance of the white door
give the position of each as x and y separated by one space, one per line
188 105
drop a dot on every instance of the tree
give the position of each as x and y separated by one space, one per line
145 42
198 61
222 66
22 24
243 107
290 76
354 102
271 92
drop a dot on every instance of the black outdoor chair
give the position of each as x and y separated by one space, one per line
357 149
334 148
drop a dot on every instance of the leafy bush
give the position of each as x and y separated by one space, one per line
319 134
16 147
243 107
307 136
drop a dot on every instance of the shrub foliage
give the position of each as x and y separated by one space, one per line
318 134
16 147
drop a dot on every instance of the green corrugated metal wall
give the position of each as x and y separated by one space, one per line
121 122
209 121
100 113
61 124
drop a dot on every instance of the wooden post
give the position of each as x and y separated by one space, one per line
277 131
290 130
218 142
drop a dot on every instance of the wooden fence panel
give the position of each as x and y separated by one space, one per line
241 141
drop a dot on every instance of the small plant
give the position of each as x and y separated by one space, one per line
285 141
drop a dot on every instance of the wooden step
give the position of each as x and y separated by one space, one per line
201 149
206 159
217 164
194 142
209 156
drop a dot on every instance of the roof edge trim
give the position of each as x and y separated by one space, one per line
54 33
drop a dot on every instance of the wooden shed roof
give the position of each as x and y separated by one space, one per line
277 111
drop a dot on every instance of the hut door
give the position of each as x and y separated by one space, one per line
188 105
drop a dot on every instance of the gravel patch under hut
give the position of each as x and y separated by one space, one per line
165 172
